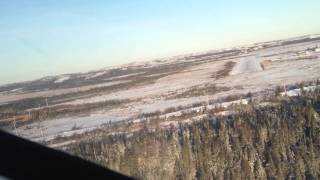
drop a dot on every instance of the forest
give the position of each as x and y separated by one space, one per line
280 140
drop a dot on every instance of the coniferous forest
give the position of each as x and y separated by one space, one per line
276 141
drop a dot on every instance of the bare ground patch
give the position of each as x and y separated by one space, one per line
264 64
225 71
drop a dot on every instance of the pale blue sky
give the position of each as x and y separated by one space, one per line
48 37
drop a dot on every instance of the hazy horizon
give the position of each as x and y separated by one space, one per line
149 59
47 38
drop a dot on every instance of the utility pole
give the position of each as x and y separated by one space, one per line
207 98
47 101
14 125
42 135
284 87
40 128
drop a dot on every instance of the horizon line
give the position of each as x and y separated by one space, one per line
161 58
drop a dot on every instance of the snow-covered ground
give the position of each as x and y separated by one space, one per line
191 77
4 97
47 130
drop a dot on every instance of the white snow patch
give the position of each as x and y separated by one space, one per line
62 79
297 92
95 75
16 90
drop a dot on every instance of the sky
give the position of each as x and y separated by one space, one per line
49 37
